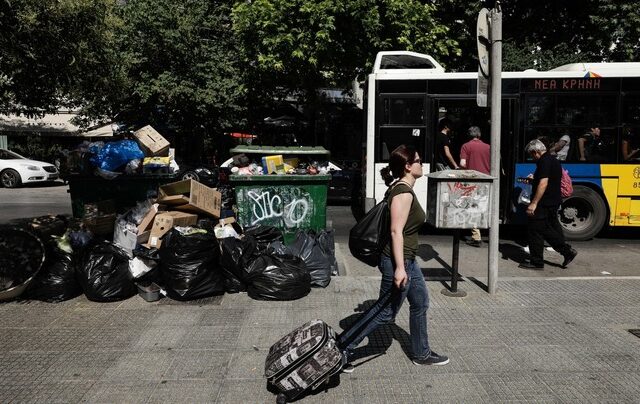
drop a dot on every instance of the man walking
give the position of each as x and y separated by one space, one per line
476 155
543 209
444 159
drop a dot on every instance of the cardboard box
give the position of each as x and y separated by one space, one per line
151 142
165 221
156 165
273 164
147 220
100 225
290 164
191 196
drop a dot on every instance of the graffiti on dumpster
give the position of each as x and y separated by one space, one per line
267 206
281 206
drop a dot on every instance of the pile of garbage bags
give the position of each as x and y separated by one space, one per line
191 263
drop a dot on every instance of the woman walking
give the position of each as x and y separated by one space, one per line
401 274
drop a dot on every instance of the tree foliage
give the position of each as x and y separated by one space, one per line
181 56
203 62
546 34
301 45
51 50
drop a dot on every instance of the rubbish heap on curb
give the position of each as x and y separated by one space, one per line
175 245
148 152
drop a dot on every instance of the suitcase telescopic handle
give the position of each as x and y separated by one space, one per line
347 336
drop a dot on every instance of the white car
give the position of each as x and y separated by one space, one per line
16 170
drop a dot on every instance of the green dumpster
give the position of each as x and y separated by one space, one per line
288 202
125 190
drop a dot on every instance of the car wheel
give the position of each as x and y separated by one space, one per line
191 175
10 178
583 214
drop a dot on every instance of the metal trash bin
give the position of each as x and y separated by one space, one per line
125 190
459 199
287 202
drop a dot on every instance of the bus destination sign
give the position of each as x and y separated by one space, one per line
571 84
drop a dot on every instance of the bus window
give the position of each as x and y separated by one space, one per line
630 144
631 109
390 138
403 110
389 62
539 109
580 110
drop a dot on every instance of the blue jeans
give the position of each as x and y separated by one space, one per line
418 295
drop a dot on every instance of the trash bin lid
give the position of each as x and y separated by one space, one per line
279 178
457 175
294 150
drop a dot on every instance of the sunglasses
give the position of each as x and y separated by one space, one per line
416 161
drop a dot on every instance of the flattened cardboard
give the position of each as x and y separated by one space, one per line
147 220
151 142
165 221
191 196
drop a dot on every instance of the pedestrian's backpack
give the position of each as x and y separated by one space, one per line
566 186
370 235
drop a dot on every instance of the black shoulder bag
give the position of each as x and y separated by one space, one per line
371 234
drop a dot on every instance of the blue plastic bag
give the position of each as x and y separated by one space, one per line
117 154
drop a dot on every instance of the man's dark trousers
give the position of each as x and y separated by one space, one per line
544 225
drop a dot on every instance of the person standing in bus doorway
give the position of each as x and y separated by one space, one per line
591 146
476 155
444 159
543 221
401 273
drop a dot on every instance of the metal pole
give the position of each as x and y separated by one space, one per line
453 290
454 260
496 104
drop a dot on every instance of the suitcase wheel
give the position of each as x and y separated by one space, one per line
281 399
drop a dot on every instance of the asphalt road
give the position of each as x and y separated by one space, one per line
34 200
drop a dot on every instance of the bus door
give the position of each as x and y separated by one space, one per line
464 113
401 119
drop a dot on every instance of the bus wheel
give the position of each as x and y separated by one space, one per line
583 214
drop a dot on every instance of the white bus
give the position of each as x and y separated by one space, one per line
407 93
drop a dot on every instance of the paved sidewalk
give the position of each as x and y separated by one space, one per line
549 340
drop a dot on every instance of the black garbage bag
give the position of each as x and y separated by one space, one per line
57 280
236 254
279 248
273 276
45 226
22 255
190 265
103 273
264 235
228 196
306 246
327 244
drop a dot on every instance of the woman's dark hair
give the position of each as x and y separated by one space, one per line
399 158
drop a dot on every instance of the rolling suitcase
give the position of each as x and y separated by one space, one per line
310 355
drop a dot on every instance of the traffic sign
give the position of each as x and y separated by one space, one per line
483 37
482 92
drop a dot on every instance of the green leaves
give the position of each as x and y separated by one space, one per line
302 45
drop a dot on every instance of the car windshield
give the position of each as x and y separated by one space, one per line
9 155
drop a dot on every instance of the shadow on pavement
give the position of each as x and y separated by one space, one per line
378 341
47 184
